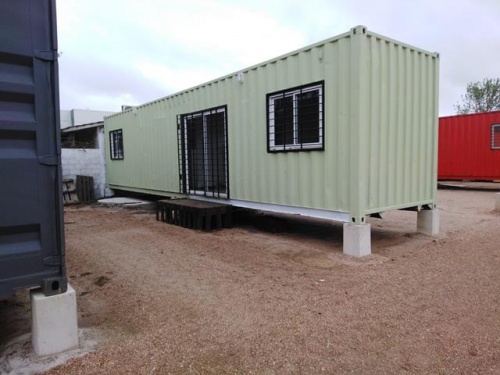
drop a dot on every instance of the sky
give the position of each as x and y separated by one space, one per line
118 52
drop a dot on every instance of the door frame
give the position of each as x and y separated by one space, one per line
184 158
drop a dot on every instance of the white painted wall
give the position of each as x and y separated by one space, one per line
87 162
66 119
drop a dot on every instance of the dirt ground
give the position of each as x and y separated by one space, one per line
275 295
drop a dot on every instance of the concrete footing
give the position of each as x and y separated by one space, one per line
428 222
497 202
357 240
54 322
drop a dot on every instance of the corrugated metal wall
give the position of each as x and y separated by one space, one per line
380 123
399 110
306 179
465 151
150 149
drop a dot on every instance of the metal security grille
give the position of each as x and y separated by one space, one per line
495 137
116 144
295 118
203 153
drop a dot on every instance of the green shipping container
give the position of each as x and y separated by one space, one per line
342 129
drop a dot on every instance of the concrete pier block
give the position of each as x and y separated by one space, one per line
54 322
428 222
497 202
357 240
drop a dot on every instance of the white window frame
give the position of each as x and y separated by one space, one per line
493 146
271 124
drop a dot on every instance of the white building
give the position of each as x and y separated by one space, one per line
82 147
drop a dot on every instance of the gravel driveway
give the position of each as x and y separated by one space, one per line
169 300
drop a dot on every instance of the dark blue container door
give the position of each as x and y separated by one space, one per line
31 217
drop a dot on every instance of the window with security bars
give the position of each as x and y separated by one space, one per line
495 137
116 144
295 118
203 147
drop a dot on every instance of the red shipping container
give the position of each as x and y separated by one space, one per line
469 147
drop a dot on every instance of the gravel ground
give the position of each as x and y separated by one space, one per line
170 300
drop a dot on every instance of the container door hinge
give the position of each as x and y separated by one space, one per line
46 55
50 160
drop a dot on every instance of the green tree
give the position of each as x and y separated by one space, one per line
480 97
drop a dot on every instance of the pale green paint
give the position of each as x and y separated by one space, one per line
380 130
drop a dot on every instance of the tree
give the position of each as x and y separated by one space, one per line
480 97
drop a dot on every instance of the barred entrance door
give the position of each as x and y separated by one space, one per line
203 138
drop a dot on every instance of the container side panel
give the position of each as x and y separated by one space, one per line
401 104
312 179
465 147
31 233
149 150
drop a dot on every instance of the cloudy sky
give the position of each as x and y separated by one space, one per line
118 52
